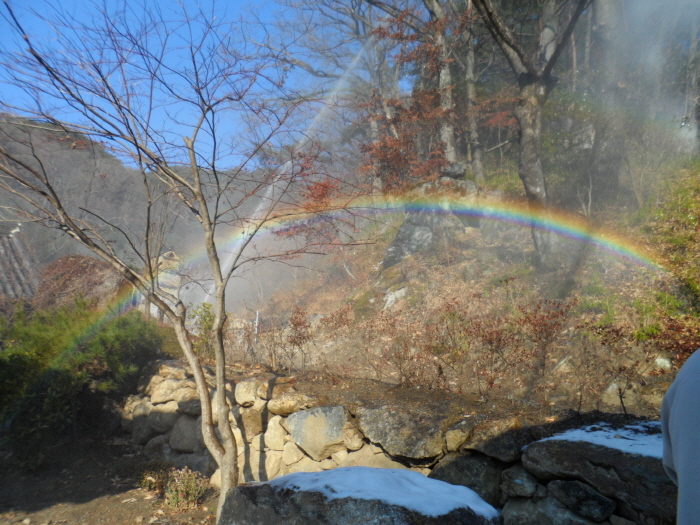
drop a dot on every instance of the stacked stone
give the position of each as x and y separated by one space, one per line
280 431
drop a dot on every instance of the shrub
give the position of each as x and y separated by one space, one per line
155 476
203 317
56 363
185 488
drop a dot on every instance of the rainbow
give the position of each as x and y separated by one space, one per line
559 222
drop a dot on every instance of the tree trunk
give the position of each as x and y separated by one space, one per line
693 90
533 95
476 150
447 129
608 147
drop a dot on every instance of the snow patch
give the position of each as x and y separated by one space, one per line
400 487
643 438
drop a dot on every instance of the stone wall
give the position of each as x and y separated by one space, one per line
280 430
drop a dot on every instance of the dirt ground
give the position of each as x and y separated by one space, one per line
78 484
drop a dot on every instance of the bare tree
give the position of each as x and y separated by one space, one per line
192 108
335 44
534 71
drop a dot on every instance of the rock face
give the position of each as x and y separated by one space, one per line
421 225
285 502
639 480
403 434
414 235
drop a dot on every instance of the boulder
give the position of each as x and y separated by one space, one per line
202 463
458 433
618 520
258 442
638 480
292 401
185 394
354 440
253 465
275 435
250 419
355 496
582 499
305 465
403 434
327 464
185 436
480 473
245 392
502 439
273 463
291 453
163 391
320 431
152 384
127 413
141 430
339 457
519 483
173 369
157 448
367 457
274 387
415 235
162 418
191 407
547 511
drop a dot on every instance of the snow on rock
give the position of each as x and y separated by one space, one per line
643 438
356 496
621 463
404 488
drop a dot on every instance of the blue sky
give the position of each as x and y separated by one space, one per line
43 34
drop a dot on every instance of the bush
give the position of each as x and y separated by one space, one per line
203 317
155 476
185 488
57 363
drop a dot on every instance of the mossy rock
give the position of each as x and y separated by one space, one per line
366 305
389 278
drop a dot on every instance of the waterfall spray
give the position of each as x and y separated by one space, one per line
275 186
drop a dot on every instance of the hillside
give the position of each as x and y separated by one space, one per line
470 312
